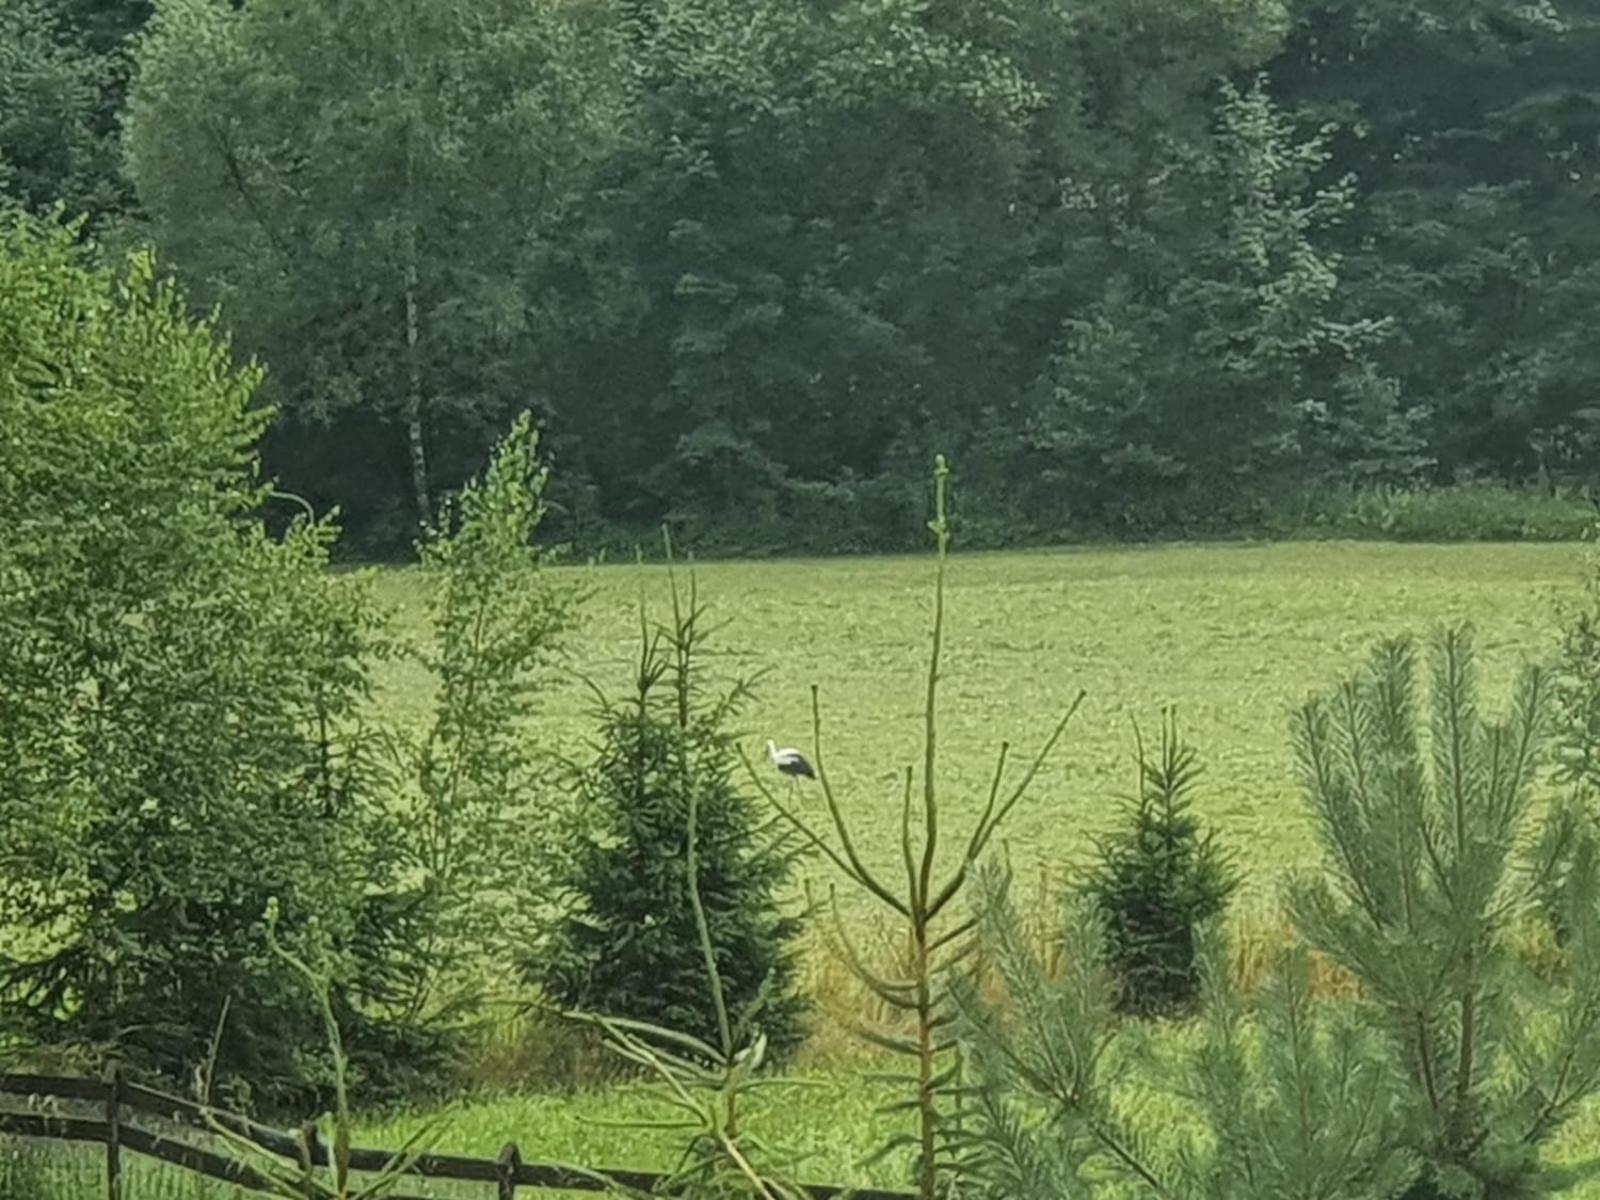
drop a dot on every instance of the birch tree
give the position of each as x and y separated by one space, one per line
362 187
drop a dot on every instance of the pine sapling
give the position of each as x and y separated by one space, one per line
1300 1099
1436 857
1037 1114
922 907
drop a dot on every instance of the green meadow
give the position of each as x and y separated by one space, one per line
1234 635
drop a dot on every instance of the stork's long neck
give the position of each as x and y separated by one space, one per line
772 750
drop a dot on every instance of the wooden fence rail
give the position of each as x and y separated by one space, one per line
121 1100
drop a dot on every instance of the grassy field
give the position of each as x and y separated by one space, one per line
1233 635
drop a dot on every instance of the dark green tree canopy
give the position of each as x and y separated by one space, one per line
1143 267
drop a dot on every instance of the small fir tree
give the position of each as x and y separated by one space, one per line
1433 870
1158 879
629 943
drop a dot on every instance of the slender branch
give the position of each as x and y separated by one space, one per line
867 879
1033 769
815 839
703 929
914 889
930 807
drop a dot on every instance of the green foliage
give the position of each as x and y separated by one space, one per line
464 810
1432 867
1577 687
1038 1117
179 685
1218 353
1301 1098
306 1182
629 942
1294 1100
62 74
1157 880
363 189
705 1083
1471 127
1461 512
1150 267
174 685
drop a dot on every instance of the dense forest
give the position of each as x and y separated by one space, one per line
1138 265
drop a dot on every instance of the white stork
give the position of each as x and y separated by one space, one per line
790 762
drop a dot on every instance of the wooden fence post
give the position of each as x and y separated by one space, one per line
509 1162
114 1133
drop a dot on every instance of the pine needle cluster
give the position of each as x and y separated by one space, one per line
1294 1099
1437 858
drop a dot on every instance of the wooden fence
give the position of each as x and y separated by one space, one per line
117 1128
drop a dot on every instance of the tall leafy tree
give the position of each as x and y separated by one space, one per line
363 188
174 685
1215 352
750 261
837 231
799 249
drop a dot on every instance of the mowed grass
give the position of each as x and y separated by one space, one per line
1233 635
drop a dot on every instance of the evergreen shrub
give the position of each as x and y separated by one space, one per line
628 942
1158 879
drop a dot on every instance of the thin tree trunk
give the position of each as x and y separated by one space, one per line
413 407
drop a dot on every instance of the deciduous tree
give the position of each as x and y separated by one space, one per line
363 188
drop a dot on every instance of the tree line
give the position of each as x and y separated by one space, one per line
1138 265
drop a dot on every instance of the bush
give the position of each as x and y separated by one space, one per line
1157 881
181 699
629 944
175 686
456 820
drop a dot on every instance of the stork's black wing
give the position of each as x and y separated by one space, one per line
795 764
